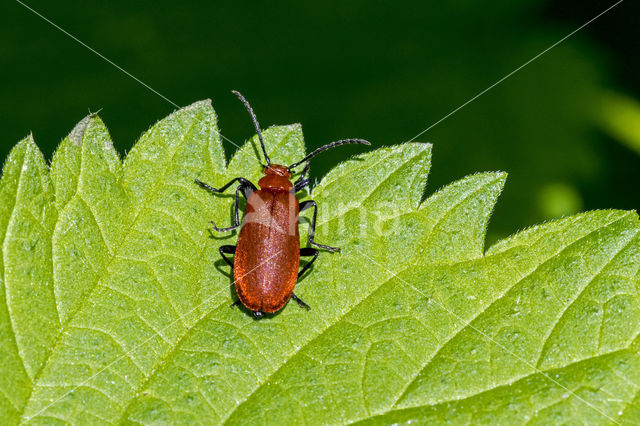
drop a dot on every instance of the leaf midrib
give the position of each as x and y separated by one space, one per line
4 278
27 156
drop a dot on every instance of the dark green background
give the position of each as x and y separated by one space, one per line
377 70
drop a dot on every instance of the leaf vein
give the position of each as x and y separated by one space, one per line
507 384
563 313
496 300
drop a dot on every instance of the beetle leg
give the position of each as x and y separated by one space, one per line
300 302
302 182
308 251
243 182
300 185
312 228
229 228
246 187
227 250
304 172
236 217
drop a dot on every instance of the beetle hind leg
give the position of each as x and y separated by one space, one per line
308 251
227 250
328 248
300 302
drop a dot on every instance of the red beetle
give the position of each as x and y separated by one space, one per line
267 257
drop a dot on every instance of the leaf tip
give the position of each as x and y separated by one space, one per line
633 215
28 143
282 130
496 179
204 103
500 176
77 133
416 148
203 106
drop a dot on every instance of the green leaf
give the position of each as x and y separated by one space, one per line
115 303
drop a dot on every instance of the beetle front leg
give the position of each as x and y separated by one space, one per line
312 228
246 187
243 183
302 182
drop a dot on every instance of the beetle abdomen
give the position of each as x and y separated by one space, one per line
267 256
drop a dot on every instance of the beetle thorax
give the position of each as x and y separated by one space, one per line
276 177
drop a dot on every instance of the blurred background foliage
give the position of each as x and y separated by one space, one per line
566 127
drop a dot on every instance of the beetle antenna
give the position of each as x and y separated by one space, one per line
255 123
329 146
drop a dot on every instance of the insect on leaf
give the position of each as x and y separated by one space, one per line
115 303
